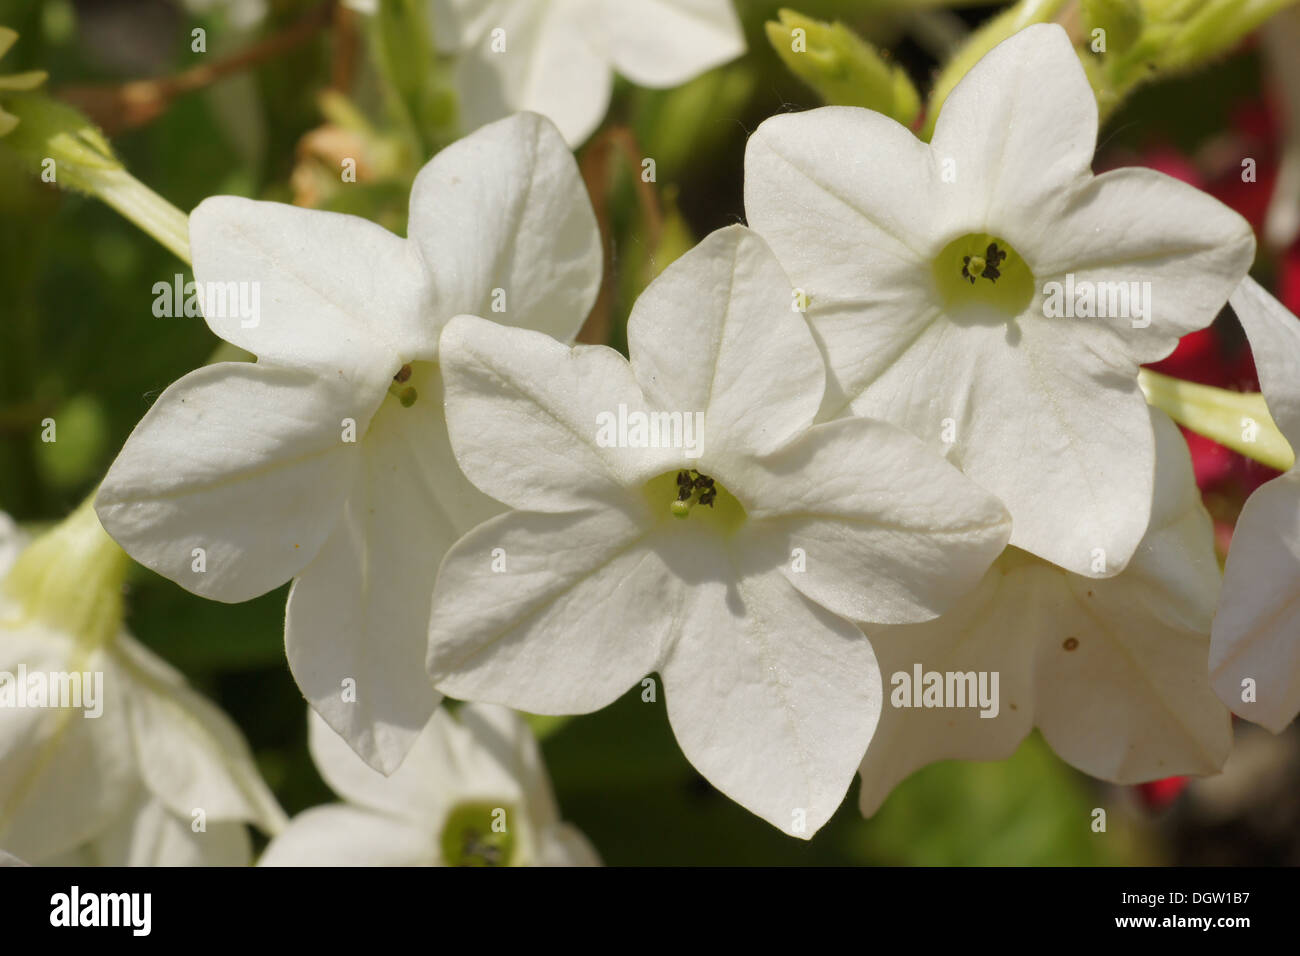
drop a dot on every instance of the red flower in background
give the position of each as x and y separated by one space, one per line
1158 794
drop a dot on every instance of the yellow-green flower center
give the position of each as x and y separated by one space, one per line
979 270
479 834
690 494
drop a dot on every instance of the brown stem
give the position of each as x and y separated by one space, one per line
138 102
343 63
596 164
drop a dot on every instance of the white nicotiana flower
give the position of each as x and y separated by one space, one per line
138 769
727 551
472 792
557 57
1255 652
990 294
1113 672
327 460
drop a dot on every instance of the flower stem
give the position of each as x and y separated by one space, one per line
58 144
1237 420
146 209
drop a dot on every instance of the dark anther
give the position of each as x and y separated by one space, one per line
403 374
474 848
992 259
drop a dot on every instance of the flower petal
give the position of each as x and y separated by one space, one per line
335 293
846 198
355 636
361 609
524 415
772 698
505 209
1075 440
1176 558
495 751
339 835
855 208
1274 335
544 59
244 461
151 835
12 542
565 845
1139 236
190 754
886 530
1019 127
482 754
1129 699
1112 671
552 614
992 630
66 776
716 333
419 791
1256 628
661 43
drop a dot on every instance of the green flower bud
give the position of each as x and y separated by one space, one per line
70 580
1120 20
844 69
14 83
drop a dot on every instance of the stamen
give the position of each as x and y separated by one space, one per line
406 396
693 487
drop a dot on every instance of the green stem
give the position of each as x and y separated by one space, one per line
60 145
1237 420
146 209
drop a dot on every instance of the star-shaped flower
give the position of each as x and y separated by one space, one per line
1028 380
1111 671
558 57
1255 652
728 552
125 787
472 792
327 460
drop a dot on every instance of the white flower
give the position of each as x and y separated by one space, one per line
891 240
557 57
315 463
742 604
1111 671
472 792
127 787
1255 652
